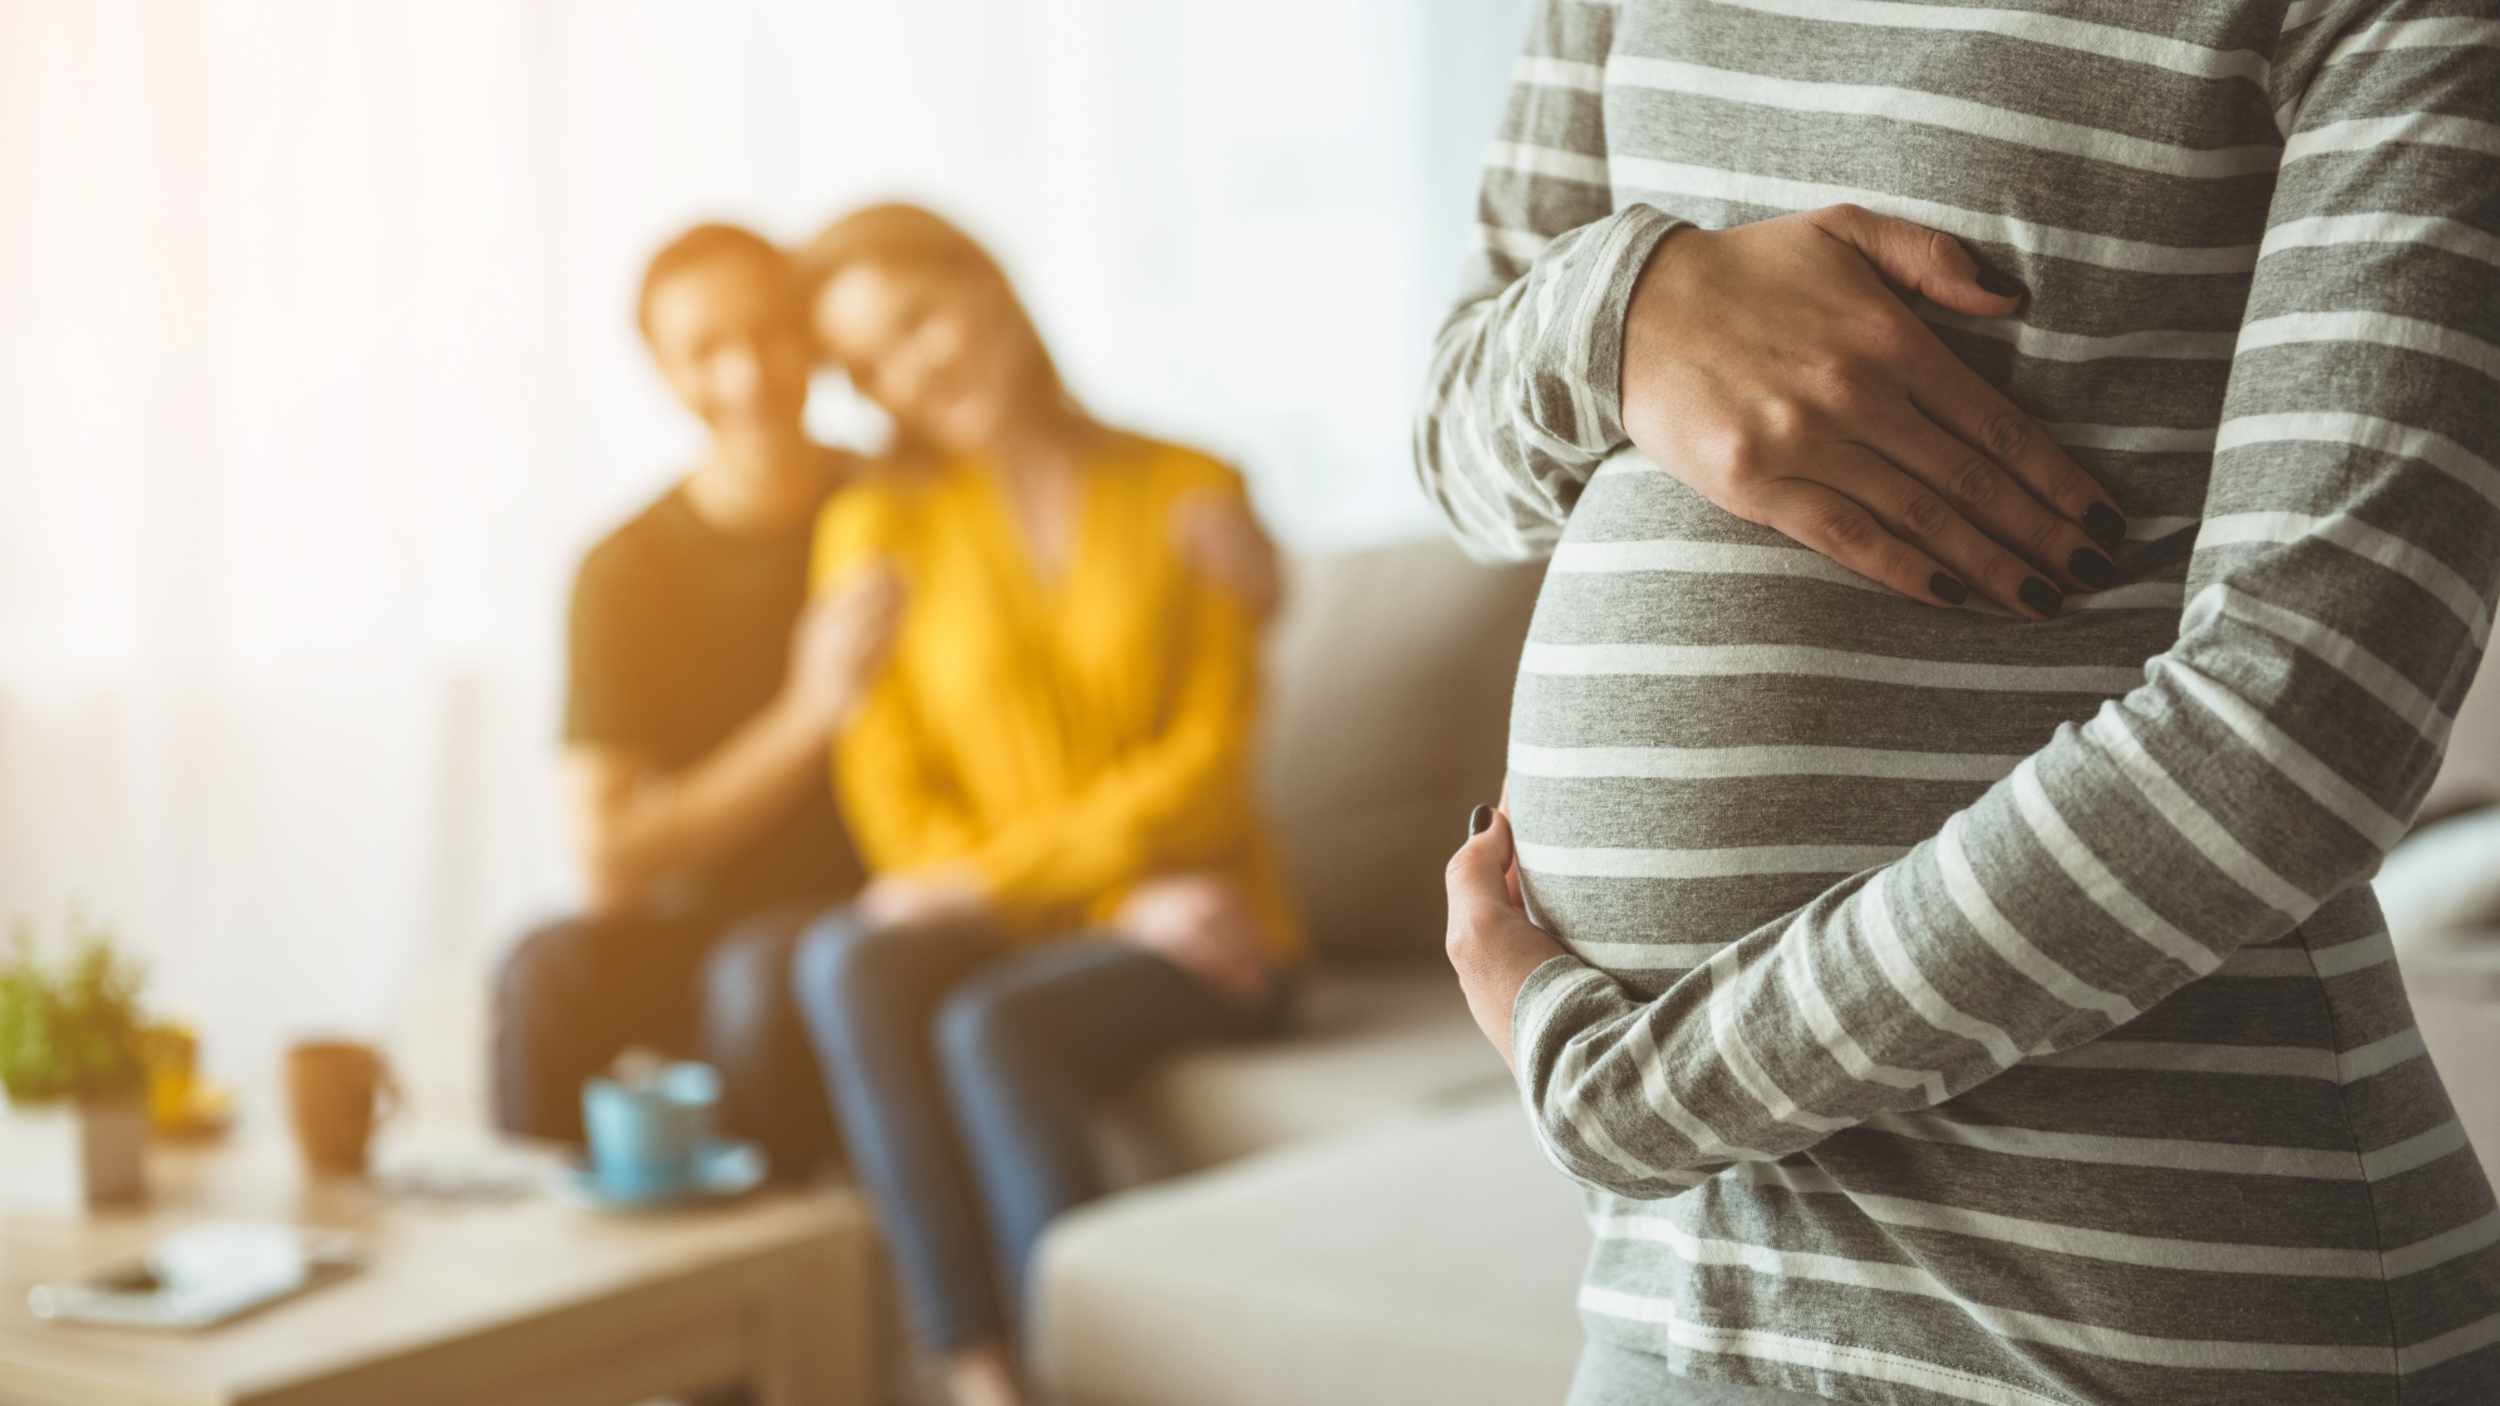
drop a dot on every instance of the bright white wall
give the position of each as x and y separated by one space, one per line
320 373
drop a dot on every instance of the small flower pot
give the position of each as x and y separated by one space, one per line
68 1157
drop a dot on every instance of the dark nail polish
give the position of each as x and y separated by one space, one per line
2040 596
2102 524
2003 285
1948 590
1479 820
2090 567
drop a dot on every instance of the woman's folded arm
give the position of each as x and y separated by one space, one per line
1521 403
2339 599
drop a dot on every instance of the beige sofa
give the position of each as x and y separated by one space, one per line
1356 1213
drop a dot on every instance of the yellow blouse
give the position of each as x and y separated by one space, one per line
1062 739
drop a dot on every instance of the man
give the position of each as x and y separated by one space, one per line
702 693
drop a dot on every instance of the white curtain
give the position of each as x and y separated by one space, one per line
321 373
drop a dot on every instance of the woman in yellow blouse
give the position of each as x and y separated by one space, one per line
1050 782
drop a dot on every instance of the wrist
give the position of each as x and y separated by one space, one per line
1641 235
1503 958
1520 1012
1493 965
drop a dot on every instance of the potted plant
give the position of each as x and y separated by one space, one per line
73 1128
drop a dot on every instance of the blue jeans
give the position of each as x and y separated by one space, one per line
572 994
963 1072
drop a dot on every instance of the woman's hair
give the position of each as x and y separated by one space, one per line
899 235
894 234
701 245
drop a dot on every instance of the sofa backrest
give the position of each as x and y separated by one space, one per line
1388 716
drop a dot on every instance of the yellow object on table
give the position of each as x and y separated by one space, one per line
179 1102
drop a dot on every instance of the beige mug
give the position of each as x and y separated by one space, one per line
337 1091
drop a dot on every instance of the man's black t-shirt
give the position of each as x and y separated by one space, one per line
679 633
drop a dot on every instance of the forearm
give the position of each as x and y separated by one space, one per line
1491 976
1520 403
658 824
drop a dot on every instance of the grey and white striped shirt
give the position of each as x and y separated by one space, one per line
1964 1009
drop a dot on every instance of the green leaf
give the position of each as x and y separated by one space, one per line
74 1032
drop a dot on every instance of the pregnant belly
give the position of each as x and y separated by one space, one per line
1711 725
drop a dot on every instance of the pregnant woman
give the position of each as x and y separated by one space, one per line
1938 940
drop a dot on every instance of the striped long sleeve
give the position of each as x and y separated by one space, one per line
2339 597
1522 401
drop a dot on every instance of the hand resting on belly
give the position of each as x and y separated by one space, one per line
1774 369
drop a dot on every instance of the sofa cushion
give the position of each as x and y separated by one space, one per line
1433 1258
2453 977
1366 1043
2444 877
2471 773
1388 709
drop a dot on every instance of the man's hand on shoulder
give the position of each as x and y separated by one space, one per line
1218 537
841 641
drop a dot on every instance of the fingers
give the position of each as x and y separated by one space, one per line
1925 261
864 603
890 901
1839 526
1999 537
1480 876
1224 541
1220 945
1510 871
867 606
1242 970
1954 396
1980 417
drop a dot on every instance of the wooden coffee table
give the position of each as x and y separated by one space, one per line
534 1300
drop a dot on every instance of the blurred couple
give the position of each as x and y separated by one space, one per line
1027 644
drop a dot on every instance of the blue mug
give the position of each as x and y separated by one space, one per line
646 1136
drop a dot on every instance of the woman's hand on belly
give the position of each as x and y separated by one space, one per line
1490 942
1773 368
